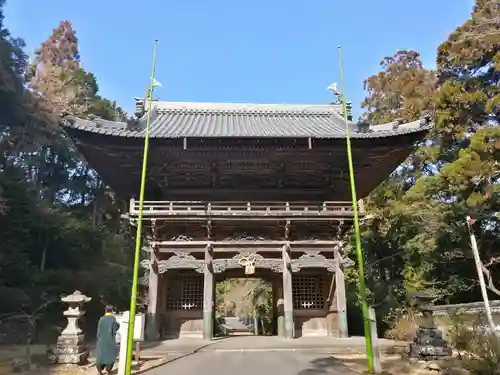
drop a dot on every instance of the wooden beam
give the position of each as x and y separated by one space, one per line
249 246
228 218
237 249
247 243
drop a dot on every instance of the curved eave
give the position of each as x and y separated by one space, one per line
323 128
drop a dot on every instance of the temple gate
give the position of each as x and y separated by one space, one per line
297 247
235 189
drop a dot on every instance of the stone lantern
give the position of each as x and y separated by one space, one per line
428 343
71 346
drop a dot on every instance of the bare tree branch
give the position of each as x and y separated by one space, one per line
489 279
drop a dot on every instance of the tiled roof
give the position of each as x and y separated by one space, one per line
179 120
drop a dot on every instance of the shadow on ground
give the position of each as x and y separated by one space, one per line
326 365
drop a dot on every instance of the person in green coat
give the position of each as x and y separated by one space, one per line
106 350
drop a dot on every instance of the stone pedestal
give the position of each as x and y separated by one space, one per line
71 346
428 343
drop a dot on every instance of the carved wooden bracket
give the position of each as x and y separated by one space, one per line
181 261
313 259
310 259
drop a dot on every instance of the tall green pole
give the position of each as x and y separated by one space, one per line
133 296
359 253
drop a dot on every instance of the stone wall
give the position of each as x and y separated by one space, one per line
470 313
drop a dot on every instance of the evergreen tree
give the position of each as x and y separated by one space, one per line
54 73
418 237
60 227
403 90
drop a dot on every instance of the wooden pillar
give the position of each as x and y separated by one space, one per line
331 315
152 328
340 297
287 294
208 295
280 309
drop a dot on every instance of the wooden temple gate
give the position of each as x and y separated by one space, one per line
296 247
203 154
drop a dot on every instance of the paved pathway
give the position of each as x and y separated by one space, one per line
254 363
262 343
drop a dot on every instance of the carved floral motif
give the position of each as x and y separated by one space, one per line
245 237
247 258
144 279
183 260
182 238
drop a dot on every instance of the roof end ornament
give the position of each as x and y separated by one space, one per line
336 93
364 127
338 100
140 107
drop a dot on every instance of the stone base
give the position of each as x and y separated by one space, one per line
70 340
429 344
70 349
429 352
62 358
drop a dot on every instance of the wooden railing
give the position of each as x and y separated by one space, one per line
243 209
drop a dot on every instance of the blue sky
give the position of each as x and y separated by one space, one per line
274 51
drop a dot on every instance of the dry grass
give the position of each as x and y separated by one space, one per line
404 329
144 365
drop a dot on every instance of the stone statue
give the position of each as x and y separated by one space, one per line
71 346
428 343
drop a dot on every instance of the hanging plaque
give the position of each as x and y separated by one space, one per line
249 269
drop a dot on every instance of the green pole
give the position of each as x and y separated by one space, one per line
359 253
133 296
